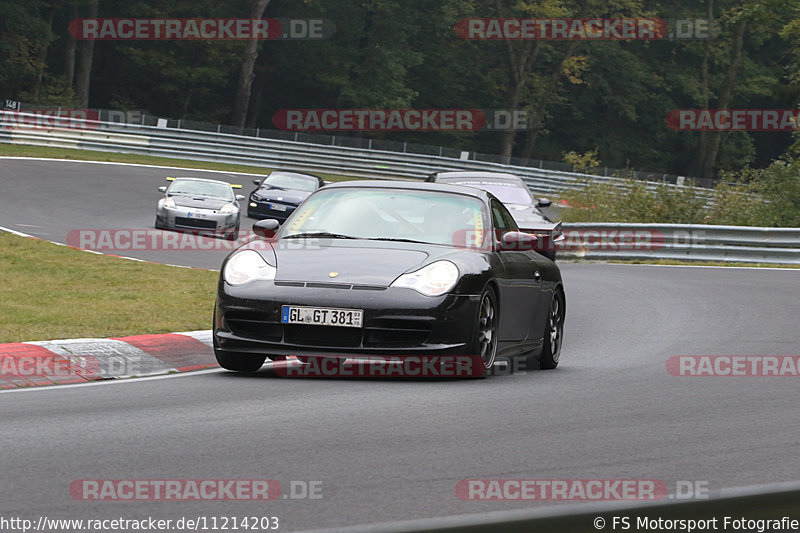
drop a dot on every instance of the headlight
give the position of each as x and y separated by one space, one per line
246 266
169 203
432 280
227 209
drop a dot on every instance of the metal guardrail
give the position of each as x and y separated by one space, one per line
272 153
688 242
590 240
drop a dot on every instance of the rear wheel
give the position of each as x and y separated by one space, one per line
553 333
486 330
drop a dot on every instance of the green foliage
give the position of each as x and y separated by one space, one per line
610 97
753 197
585 162
632 201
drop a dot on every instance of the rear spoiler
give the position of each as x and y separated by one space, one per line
169 178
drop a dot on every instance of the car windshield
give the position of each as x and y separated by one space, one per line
291 181
208 189
508 193
388 214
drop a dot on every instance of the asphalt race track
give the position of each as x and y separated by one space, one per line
388 450
48 199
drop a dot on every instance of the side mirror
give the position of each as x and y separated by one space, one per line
266 228
543 202
239 197
256 182
162 189
518 241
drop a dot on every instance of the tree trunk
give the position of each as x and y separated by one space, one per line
541 106
705 84
85 62
255 109
520 63
724 101
69 55
246 73
43 47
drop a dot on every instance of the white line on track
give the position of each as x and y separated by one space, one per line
112 381
130 165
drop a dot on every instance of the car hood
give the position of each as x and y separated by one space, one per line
355 262
199 202
530 218
281 195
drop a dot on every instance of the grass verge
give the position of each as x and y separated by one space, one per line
55 292
47 152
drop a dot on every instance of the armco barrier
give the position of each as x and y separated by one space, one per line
693 242
272 153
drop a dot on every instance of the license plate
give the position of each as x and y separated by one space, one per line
277 207
196 215
322 316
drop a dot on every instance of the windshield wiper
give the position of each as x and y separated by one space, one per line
319 235
396 240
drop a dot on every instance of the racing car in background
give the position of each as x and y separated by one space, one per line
519 201
200 205
279 194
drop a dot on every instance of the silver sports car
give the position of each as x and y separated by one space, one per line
200 205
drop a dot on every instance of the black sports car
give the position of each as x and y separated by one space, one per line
279 194
375 268
516 196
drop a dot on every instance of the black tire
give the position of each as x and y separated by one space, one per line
239 362
486 330
553 333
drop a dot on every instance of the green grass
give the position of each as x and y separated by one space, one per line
55 292
16 150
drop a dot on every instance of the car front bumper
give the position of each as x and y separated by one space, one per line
267 209
396 321
200 220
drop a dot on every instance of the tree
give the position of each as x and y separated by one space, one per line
84 77
246 73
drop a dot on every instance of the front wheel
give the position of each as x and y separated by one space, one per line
553 333
486 330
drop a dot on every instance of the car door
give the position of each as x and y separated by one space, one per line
520 287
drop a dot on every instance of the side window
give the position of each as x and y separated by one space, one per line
498 220
502 219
